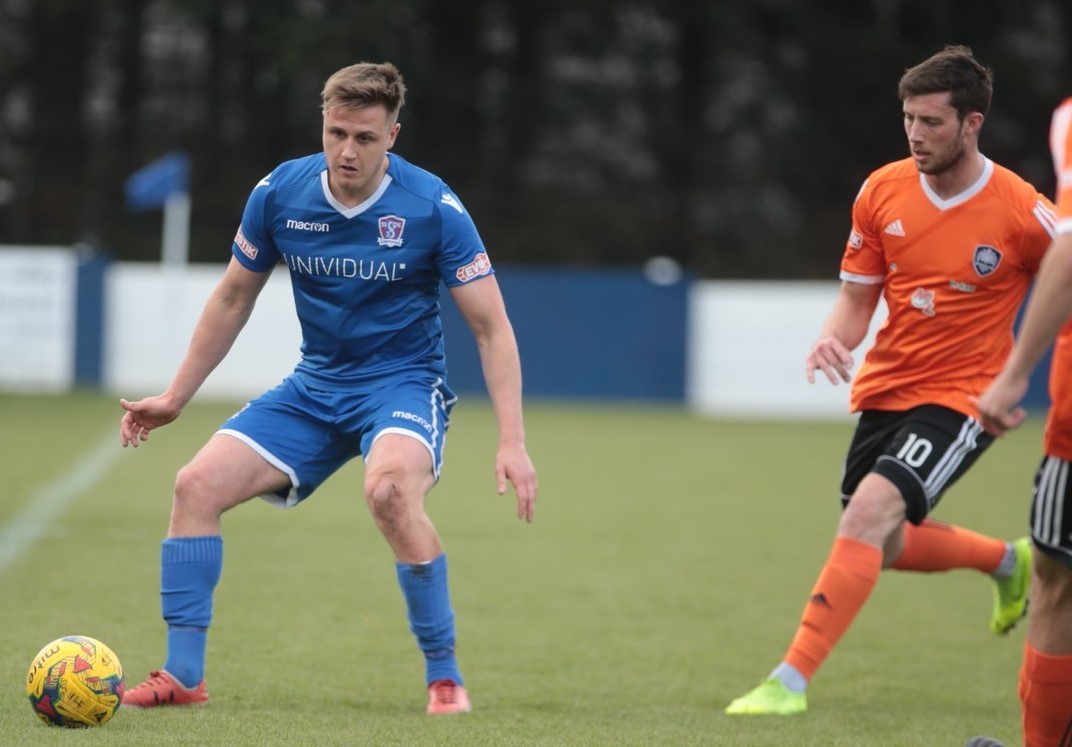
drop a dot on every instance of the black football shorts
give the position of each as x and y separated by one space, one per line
1051 509
922 451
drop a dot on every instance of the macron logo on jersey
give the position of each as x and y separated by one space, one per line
245 244
449 199
480 265
894 229
304 225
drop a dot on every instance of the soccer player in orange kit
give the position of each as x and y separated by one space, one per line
952 241
1046 674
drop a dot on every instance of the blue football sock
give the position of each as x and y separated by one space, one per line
431 618
189 570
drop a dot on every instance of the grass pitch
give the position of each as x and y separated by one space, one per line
664 575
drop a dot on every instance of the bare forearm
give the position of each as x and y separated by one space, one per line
1048 309
850 319
215 333
842 332
502 374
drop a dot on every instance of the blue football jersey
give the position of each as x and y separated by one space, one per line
366 279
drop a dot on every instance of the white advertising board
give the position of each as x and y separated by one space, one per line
37 297
747 344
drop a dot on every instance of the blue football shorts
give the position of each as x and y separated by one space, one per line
310 433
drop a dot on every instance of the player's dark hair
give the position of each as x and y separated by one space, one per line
955 70
365 84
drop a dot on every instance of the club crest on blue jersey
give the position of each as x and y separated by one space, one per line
391 228
985 260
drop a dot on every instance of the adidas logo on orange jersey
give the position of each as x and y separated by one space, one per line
894 229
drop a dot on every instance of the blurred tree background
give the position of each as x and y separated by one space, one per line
731 136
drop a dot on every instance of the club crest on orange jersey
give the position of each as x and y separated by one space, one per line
391 228
985 260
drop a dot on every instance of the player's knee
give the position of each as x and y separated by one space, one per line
872 515
191 486
1051 586
384 497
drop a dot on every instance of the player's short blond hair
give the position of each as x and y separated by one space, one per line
365 84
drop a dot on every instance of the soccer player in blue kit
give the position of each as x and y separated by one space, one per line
367 239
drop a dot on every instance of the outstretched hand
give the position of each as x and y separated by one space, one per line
832 358
143 416
512 463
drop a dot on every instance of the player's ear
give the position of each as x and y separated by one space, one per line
393 134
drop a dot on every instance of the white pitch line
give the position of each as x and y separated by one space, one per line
30 524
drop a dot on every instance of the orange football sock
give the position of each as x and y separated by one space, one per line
934 546
1046 699
844 585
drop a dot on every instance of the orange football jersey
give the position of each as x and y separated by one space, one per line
1058 441
954 273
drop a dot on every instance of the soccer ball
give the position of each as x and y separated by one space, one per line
75 681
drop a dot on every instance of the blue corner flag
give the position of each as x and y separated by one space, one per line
150 186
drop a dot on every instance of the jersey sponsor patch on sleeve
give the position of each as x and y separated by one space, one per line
481 265
855 239
245 244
